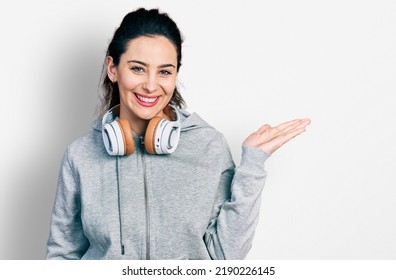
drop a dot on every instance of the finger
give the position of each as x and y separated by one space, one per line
292 134
296 130
286 124
286 137
280 140
263 128
283 127
290 126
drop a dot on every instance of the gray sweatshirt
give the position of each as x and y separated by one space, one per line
191 204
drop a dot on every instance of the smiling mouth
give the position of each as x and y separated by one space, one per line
146 99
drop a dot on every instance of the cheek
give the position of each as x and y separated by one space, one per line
169 86
128 82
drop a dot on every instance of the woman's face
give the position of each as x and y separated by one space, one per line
146 77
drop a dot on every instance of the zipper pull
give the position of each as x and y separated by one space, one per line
141 141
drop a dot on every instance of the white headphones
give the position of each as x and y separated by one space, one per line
161 137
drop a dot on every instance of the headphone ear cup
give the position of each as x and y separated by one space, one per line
129 144
149 138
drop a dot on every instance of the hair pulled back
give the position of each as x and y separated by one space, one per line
135 24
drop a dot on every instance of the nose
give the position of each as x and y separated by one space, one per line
150 85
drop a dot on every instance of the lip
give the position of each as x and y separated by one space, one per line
145 103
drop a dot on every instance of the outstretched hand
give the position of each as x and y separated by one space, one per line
269 139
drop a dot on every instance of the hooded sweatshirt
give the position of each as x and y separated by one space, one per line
191 204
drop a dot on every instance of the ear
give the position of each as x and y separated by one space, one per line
111 69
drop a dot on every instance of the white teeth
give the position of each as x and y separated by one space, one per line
146 99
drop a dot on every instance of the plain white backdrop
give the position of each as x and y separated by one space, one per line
330 193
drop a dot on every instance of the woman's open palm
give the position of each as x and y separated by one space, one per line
270 138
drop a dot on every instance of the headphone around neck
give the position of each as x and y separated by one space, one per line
161 137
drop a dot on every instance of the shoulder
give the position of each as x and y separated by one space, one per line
193 123
87 145
201 136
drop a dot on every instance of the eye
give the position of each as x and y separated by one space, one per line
137 69
165 72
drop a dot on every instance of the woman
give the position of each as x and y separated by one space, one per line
151 181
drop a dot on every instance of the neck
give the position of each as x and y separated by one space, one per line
139 125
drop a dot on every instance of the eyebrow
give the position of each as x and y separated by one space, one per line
145 64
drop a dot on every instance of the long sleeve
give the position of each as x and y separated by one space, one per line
236 212
66 239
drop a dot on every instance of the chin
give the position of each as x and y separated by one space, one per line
149 113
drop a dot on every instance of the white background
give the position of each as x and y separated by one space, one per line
330 193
